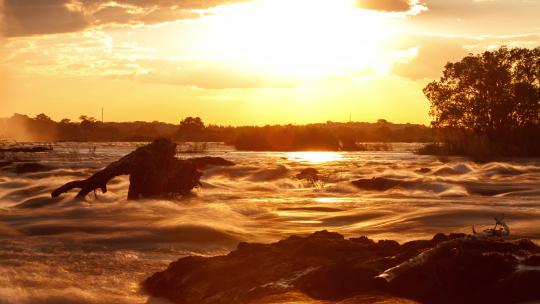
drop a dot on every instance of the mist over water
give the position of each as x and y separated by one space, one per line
99 249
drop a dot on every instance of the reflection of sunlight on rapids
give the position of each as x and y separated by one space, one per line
325 200
315 157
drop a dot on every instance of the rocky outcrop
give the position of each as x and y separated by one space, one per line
35 149
326 266
378 183
30 168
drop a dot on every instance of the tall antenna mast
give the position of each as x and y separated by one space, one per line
101 114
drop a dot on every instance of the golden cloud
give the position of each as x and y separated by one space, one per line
39 17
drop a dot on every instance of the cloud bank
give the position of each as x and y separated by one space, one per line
39 17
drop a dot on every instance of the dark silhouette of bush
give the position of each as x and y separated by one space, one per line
488 104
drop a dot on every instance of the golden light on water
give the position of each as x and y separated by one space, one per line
315 157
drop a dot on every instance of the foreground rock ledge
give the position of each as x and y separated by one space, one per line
327 268
153 170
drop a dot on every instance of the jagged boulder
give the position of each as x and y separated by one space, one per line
325 266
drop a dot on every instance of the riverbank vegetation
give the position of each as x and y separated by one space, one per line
487 105
329 136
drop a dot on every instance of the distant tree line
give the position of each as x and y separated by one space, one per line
488 105
323 136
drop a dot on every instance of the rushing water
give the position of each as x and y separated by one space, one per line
98 250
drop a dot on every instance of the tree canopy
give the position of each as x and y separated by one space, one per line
492 93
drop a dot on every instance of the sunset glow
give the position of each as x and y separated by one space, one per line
315 157
269 151
242 62
330 38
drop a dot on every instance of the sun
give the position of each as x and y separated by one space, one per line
299 38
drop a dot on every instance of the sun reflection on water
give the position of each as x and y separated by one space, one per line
315 157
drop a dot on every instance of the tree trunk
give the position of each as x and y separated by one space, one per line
153 172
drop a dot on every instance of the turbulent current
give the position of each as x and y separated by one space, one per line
100 249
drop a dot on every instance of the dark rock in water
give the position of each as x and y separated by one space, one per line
5 163
30 168
423 170
35 149
326 266
492 189
208 161
153 172
532 261
377 183
310 174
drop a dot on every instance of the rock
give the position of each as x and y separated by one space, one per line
5 163
30 168
533 260
377 183
423 170
35 149
325 266
309 174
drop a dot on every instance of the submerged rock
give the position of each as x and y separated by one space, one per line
326 266
30 168
309 174
377 183
35 149
5 163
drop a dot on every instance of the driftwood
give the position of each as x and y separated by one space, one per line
153 171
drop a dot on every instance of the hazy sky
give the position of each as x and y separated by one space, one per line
244 62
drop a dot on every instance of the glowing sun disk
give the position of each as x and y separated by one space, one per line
299 37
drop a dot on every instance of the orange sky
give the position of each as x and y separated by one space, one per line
244 62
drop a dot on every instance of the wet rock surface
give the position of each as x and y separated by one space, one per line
325 266
378 183
30 168
35 149
310 174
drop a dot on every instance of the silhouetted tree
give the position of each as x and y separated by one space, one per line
191 124
490 100
490 93
84 118
43 118
191 129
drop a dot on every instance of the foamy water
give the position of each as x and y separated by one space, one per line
98 250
